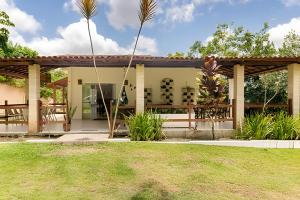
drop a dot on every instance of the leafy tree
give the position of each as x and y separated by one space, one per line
291 45
4 32
9 49
178 54
230 41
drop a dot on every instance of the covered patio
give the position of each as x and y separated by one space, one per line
144 89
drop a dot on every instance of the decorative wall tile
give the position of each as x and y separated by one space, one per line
188 95
148 95
166 88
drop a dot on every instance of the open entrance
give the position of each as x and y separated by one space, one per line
92 104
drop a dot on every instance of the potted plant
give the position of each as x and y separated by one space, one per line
68 118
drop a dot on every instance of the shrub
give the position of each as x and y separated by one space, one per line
256 127
145 127
277 127
285 127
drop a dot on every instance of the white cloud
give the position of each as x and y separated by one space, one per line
186 12
291 2
123 13
145 45
120 14
183 13
73 39
24 22
277 33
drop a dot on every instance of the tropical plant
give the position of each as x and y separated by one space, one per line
88 9
256 127
285 127
146 13
145 127
211 89
280 126
70 113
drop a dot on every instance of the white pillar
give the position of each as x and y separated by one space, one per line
140 83
239 94
230 92
69 89
294 87
34 99
26 90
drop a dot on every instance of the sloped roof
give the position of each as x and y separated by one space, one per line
253 65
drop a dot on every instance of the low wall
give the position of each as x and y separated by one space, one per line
198 134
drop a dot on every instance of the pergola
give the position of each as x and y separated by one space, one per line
59 84
235 68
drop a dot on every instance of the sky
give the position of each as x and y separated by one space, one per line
55 27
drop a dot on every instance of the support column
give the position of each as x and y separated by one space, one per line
230 92
34 99
140 83
26 90
54 95
294 87
239 95
69 89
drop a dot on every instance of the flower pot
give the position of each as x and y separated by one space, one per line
67 127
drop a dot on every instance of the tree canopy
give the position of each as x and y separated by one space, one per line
235 41
10 49
228 40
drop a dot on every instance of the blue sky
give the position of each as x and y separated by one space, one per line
55 27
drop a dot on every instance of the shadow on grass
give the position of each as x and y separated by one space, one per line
152 190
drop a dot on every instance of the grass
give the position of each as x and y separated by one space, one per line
147 171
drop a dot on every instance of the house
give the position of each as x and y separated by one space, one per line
151 81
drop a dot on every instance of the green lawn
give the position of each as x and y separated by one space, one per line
147 171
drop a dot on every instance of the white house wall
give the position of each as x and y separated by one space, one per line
182 77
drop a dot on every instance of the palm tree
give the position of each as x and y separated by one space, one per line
146 13
88 9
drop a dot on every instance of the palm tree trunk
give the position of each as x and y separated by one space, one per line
123 82
98 76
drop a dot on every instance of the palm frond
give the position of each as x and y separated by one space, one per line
87 8
147 10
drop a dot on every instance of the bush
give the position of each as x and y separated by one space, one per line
277 127
285 127
256 127
145 127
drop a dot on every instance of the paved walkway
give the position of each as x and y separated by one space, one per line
99 138
277 144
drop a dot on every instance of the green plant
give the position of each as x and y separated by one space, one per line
286 127
145 127
70 114
277 127
211 89
257 127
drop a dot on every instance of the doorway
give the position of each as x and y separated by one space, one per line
92 104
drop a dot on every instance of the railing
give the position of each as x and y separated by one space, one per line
48 113
223 112
14 113
259 107
18 113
